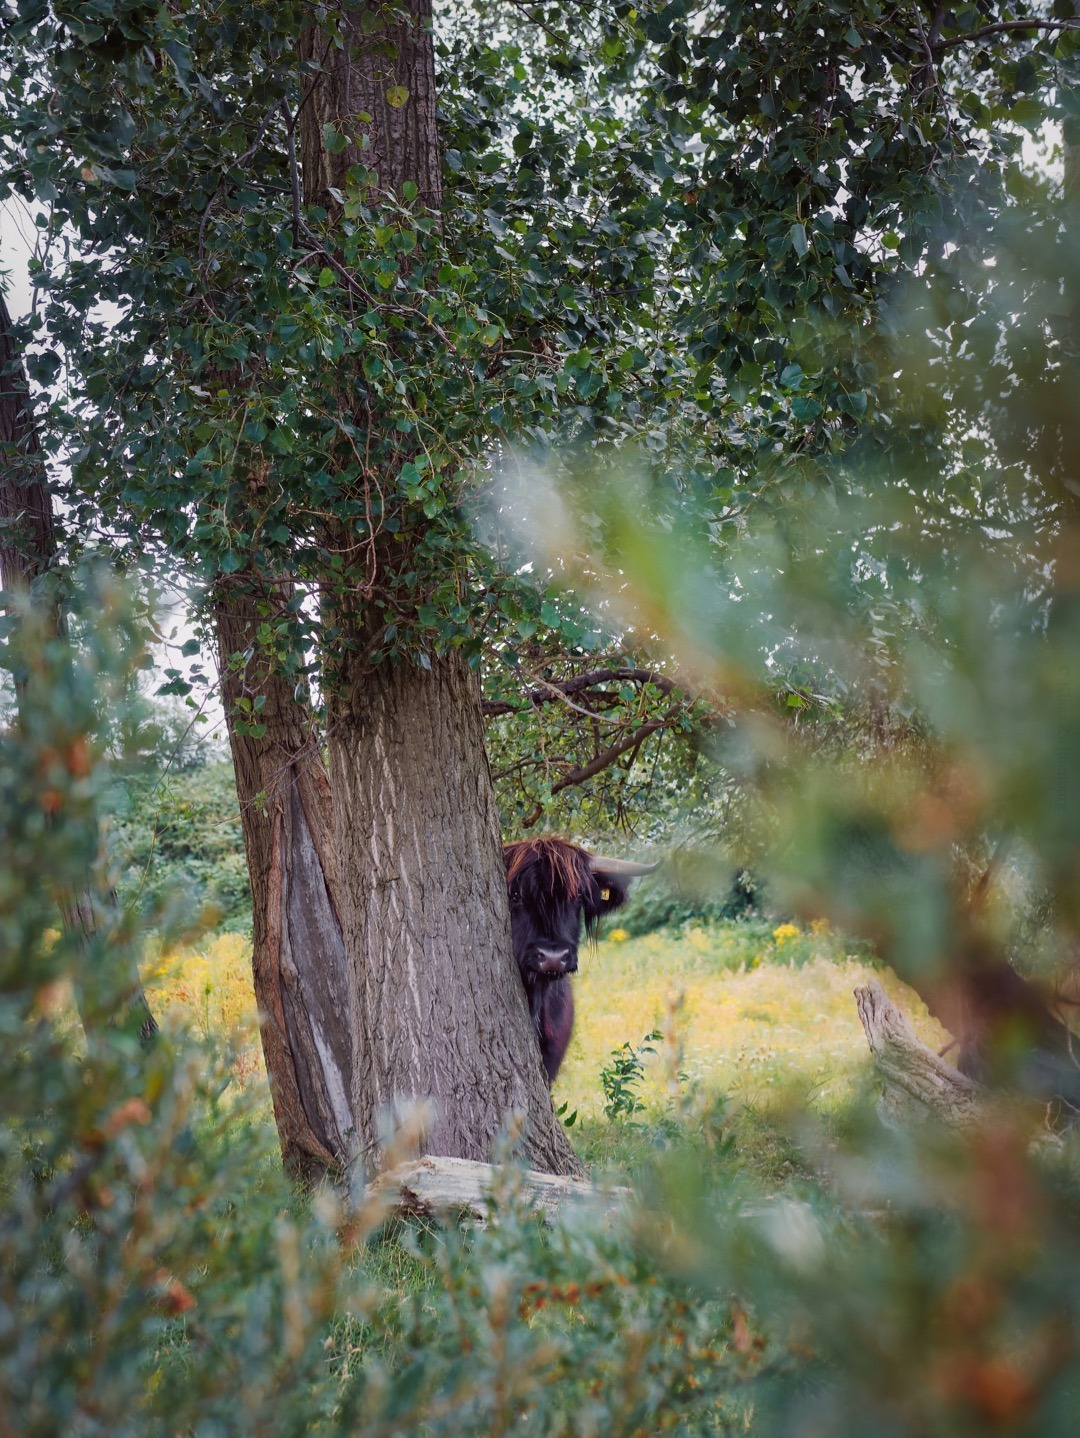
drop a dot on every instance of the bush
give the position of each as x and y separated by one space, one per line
684 891
177 844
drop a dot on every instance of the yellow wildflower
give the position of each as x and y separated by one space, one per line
618 936
783 932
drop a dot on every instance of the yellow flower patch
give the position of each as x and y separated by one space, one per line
751 1033
208 987
750 1025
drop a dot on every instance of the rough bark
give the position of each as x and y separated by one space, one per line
27 536
379 88
28 551
918 1083
439 1009
301 979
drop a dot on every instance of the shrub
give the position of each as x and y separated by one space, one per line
684 893
177 843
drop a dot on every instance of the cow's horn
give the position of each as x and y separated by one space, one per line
620 868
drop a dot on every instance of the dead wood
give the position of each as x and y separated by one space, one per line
430 1187
918 1083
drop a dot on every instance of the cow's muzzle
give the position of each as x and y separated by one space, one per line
554 963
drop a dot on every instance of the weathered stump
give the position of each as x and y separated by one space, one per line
919 1084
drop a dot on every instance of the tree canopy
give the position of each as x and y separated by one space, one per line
675 226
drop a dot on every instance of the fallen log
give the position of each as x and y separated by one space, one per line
430 1187
918 1083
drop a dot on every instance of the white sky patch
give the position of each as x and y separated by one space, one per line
23 236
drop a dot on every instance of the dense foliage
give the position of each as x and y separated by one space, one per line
671 225
176 842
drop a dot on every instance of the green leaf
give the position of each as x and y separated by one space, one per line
797 236
1027 111
396 96
854 403
805 409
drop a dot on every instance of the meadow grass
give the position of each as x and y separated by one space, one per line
757 1011
761 1014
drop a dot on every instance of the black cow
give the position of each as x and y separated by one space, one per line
553 885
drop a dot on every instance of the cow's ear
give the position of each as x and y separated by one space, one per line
611 891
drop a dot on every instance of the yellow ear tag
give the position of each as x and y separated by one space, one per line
605 894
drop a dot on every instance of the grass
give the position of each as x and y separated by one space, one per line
756 1012
762 1016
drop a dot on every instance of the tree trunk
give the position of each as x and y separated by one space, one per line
441 1009
27 554
27 538
380 87
918 1083
440 1012
302 983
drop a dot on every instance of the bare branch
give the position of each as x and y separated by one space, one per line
547 691
608 756
1003 27
535 19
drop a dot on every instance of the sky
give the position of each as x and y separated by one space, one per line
18 234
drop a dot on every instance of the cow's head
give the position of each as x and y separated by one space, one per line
555 888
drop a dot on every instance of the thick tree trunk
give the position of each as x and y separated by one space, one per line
379 88
27 554
439 1008
27 538
302 981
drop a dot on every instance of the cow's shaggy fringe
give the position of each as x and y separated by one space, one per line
566 864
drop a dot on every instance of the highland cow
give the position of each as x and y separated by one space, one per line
555 886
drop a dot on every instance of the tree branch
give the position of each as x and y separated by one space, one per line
550 690
918 1083
610 754
294 173
1003 27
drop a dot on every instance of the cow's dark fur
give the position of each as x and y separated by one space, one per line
553 889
